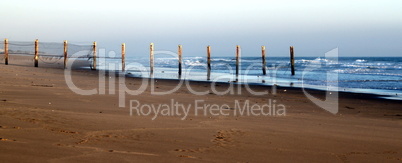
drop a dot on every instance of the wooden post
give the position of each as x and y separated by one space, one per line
6 51
292 60
264 63
65 53
94 56
238 51
208 62
36 52
123 57
151 57
180 48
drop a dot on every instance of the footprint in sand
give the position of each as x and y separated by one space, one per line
222 139
226 137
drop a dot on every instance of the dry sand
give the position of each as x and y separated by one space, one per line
41 119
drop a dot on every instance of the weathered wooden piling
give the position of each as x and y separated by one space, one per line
151 57
292 60
264 63
209 58
94 56
238 53
123 57
36 58
180 51
208 62
6 51
65 53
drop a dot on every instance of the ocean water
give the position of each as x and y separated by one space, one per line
380 75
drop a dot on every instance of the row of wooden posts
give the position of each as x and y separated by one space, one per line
238 52
151 49
65 53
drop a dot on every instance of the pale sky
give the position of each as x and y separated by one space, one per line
313 27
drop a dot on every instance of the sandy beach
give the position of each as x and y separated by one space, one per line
42 120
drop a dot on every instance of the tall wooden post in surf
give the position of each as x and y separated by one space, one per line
36 52
264 63
208 62
292 60
94 56
6 51
151 57
238 53
65 54
180 48
123 57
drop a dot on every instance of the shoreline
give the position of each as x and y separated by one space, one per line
81 67
50 62
350 94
